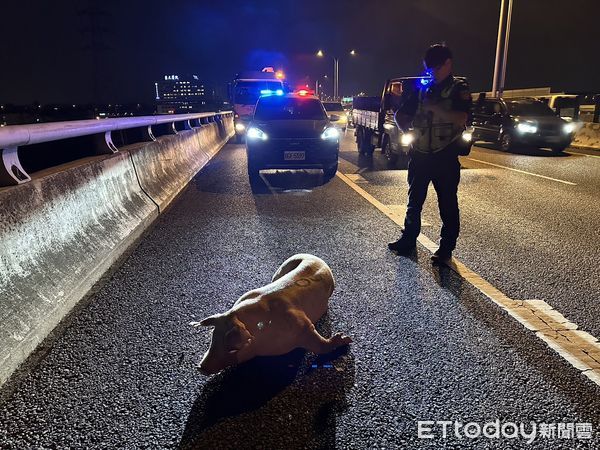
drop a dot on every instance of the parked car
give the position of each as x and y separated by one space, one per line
291 132
336 114
525 121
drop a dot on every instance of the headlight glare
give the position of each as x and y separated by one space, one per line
255 133
568 128
240 127
525 127
407 139
330 133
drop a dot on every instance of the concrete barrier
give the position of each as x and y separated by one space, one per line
165 166
60 232
588 136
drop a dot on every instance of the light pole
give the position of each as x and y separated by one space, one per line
318 85
336 72
500 66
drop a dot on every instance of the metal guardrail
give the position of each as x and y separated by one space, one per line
14 136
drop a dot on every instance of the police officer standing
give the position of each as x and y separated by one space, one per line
437 112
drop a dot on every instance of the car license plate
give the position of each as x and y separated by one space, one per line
294 156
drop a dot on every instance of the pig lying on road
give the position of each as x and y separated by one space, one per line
276 318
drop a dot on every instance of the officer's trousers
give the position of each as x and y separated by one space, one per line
444 173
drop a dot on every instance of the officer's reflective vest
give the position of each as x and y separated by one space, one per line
431 134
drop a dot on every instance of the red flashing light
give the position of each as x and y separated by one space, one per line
302 92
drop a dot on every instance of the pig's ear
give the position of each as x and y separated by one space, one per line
210 321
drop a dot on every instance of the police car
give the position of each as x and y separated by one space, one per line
291 131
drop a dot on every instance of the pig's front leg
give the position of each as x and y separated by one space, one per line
312 341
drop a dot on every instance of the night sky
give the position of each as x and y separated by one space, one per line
73 51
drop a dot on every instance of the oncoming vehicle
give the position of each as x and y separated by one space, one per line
525 121
336 114
245 92
291 131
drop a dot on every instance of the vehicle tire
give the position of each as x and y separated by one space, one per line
359 139
505 143
559 149
386 149
367 147
330 172
254 171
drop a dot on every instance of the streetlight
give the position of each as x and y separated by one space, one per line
336 72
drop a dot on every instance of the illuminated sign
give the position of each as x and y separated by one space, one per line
171 77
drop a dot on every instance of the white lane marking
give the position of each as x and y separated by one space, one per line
522 171
357 178
582 154
400 210
579 348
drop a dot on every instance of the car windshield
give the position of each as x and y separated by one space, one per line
248 92
529 109
332 106
281 108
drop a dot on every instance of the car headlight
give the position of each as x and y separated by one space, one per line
240 127
255 133
526 128
330 133
407 138
568 128
467 136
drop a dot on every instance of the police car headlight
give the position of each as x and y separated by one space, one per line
255 133
568 128
240 127
407 139
526 128
330 133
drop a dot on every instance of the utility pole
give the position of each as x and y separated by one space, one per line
502 53
505 58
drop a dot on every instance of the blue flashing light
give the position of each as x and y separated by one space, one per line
279 92
427 78
266 92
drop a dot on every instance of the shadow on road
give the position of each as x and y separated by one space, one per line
532 350
375 162
283 181
285 401
525 151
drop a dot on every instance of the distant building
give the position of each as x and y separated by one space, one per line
177 94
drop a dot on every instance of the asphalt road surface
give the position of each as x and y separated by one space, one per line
120 371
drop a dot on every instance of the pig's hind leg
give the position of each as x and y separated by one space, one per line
312 341
289 265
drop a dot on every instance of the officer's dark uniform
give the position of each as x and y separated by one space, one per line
434 157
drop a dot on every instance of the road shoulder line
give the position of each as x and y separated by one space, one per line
521 171
577 347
